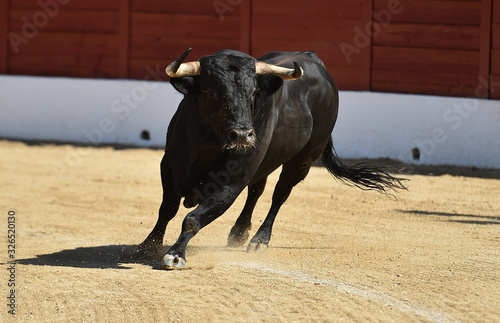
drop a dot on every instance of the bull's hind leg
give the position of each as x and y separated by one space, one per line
240 232
290 176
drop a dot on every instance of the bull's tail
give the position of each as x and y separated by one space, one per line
362 175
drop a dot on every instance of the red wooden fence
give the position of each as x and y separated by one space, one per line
495 51
441 47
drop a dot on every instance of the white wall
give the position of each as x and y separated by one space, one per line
89 111
454 131
447 131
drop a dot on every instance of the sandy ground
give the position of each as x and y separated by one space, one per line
337 253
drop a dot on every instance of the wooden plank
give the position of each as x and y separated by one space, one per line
495 62
423 59
177 25
308 28
124 40
4 30
166 48
67 20
424 82
496 12
495 55
346 77
246 26
329 52
72 5
151 69
200 7
485 45
366 51
63 65
495 36
79 45
495 90
433 11
429 36
344 9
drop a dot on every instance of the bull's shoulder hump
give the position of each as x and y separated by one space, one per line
286 59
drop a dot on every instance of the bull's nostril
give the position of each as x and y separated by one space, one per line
233 135
241 137
251 136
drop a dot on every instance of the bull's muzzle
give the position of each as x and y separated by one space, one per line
242 138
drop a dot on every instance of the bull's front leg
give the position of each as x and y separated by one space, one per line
151 246
169 206
209 210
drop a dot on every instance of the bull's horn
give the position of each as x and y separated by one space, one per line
179 69
295 73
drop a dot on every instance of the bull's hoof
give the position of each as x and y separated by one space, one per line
257 247
237 238
173 262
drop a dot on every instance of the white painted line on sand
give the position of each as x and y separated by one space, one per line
363 292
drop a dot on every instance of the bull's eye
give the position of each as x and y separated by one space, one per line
210 94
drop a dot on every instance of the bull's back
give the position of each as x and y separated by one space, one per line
316 84
286 59
307 107
313 66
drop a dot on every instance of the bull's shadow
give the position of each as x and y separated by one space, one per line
108 257
101 257
462 218
121 256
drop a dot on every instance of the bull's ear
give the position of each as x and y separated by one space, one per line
268 84
185 85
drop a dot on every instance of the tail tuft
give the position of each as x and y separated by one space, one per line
361 175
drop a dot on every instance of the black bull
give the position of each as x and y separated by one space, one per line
240 120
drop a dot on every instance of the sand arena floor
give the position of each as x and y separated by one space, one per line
337 253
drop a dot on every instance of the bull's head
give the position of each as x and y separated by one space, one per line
230 88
